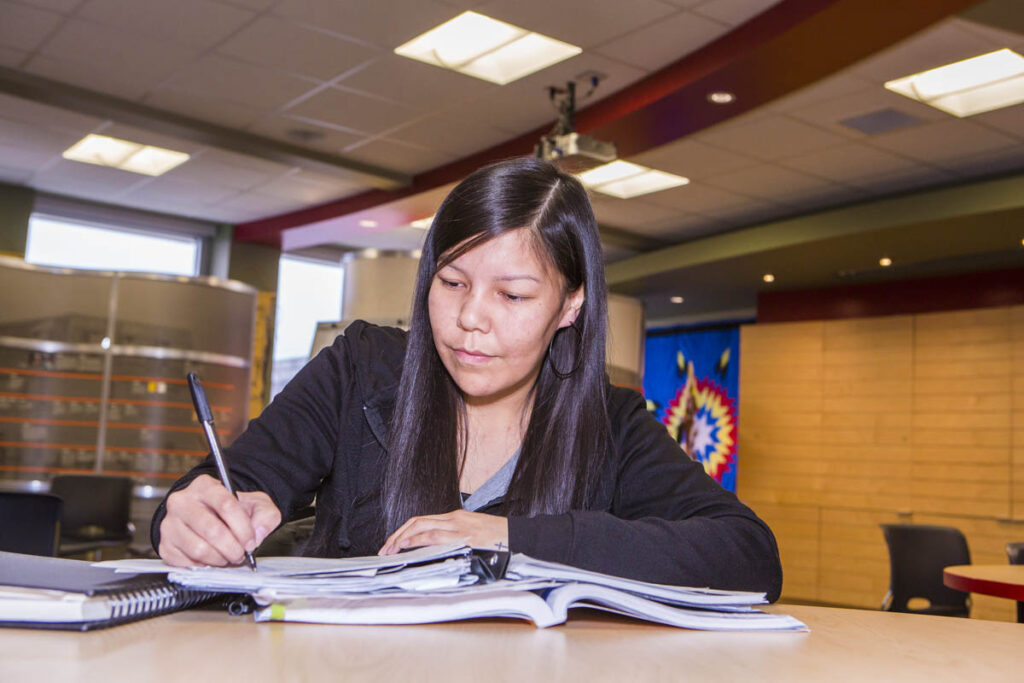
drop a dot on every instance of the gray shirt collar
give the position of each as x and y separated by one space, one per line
494 488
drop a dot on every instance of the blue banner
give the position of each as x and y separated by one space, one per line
691 381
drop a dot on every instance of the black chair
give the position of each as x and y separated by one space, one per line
917 555
97 512
29 523
1015 551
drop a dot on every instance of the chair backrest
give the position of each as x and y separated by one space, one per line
29 523
1015 552
95 506
917 555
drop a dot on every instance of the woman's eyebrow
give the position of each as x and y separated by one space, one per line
506 278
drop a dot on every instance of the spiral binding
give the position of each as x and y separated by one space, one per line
149 602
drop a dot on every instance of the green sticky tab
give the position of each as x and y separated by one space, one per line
277 612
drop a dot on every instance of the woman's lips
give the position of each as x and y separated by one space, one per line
471 356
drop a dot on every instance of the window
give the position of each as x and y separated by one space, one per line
70 244
308 292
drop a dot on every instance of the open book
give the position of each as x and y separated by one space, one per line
543 605
446 583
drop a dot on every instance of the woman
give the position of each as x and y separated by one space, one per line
491 422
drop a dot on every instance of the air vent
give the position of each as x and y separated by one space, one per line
881 121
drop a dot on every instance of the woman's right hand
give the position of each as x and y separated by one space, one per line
206 526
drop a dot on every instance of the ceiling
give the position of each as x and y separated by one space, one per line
297 114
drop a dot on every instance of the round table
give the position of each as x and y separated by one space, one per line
1000 580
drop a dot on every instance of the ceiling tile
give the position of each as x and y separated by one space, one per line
200 24
146 137
663 42
455 134
256 5
996 37
223 78
11 57
415 84
81 74
580 22
30 146
320 138
700 198
24 27
734 12
849 162
306 187
398 156
770 182
771 138
252 205
45 116
352 111
276 42
225 170
216 111
692 159
945 42
85 180
121 56
1009 120
685 226
839 85
945 140
828 114
62 6
999 160
883 184
628 213
175 192
13 175
385 23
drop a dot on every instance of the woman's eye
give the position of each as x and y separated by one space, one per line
514 297
449 283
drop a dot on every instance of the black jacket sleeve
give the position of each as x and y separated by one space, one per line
288 449
669 522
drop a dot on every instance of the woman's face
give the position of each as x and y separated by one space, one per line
493 312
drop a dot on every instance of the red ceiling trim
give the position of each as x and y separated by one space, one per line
793 44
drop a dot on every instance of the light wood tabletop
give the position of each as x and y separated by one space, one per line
212 646
1001 580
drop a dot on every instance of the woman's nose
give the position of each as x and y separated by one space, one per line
473 314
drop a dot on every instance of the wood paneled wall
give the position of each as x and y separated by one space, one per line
847 424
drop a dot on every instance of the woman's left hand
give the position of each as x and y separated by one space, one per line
459 526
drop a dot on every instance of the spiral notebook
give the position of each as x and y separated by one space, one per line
56 593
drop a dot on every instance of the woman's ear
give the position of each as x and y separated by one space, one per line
572 306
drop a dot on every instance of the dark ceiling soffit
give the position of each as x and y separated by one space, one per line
57 94
935 204
791 45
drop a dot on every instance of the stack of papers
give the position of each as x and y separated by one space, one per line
441 583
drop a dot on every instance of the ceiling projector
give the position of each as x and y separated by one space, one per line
575 152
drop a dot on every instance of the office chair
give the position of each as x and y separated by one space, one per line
917 555
1015 551
97 512
29 523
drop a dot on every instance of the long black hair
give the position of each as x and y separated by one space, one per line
567 439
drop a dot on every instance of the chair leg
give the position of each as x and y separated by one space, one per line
1020 612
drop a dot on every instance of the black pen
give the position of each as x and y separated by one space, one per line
206 420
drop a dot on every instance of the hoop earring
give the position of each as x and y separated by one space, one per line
579 352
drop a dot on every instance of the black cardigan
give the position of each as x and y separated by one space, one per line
660 519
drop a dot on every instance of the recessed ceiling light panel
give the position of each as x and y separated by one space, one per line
624 179
485 48
103 150
968 87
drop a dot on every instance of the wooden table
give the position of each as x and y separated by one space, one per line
843 645
1001 580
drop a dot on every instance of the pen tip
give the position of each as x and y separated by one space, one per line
250 561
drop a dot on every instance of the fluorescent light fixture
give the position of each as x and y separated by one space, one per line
968 87
485 48
103 150
624 179
423 223
367 223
